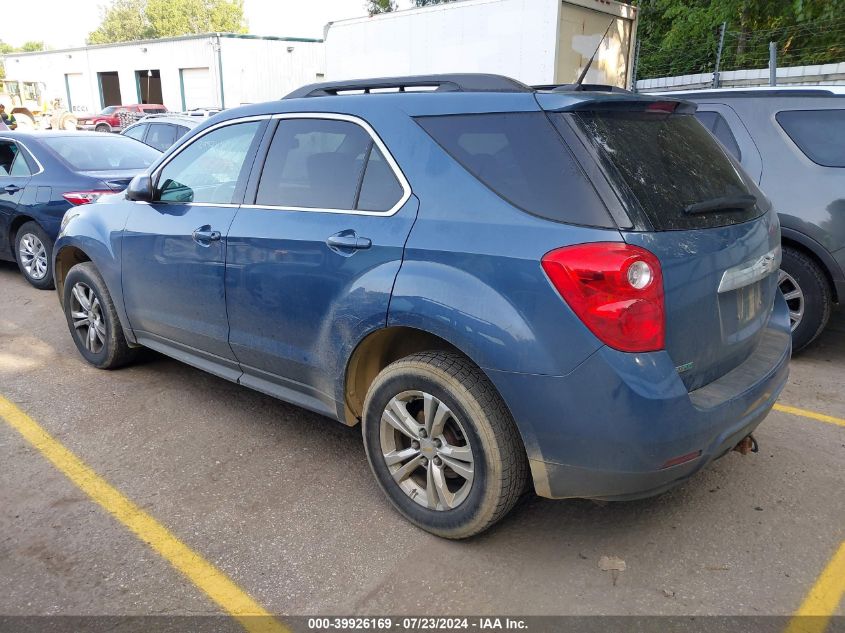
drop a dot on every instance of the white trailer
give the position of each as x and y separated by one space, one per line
534 41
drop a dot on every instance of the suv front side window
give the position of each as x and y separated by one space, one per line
209 168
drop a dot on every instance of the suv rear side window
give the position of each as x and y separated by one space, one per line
326 164
668 162
820 134
522 158
716 123
161 136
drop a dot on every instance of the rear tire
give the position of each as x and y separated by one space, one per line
808 295
458 464
92 319
34 254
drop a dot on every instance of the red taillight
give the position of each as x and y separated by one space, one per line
77 198
615 289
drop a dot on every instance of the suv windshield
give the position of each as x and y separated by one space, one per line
675 171
101 152
109 110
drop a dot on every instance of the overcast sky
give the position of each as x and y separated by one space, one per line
62 24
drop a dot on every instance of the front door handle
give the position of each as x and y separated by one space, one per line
204 235
348 240
11 189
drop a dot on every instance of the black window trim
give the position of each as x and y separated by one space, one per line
156 174
795 143
331 116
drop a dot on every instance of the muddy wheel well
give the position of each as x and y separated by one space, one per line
375 353
17 223
67 258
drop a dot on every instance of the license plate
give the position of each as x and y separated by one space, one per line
749 302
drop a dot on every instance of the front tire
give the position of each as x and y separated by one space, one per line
102 127
808 295
442 445
92 319
34 254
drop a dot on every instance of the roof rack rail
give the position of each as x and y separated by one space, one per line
581 88
468 82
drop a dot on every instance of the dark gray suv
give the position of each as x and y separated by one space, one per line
792 142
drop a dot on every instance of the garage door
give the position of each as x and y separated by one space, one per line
78 93
196 88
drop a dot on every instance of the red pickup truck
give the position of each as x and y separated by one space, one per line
108 121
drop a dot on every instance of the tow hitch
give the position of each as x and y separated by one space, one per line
747 445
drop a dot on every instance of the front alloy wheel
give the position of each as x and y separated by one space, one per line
92 319
425 449
87 314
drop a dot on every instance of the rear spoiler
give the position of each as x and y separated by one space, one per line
615 103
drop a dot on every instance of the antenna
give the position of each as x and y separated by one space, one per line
583 75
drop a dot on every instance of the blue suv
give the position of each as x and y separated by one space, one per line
504 286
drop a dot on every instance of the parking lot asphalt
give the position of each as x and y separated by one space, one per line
283 502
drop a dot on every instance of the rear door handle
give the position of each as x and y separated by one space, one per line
11 189
348 240
204 235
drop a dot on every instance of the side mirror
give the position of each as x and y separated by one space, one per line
140 189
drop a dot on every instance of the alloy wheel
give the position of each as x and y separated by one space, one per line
87 315
426 450
794 298
33 256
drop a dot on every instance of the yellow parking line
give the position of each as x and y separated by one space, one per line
217 586
821 417
823 599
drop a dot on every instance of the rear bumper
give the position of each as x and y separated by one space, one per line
607 429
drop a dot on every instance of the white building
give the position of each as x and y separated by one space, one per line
534 41
193 71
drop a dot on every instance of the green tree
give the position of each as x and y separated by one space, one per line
129 20
375 7
123 21
31 47
28 47
170 18
682 36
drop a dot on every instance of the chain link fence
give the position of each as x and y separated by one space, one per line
726 49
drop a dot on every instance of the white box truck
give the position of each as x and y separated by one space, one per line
534 41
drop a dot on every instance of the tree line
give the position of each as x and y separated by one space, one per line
682 36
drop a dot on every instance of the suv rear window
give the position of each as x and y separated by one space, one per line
820 134
668 162
522 158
